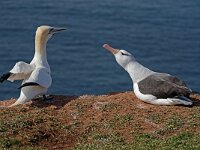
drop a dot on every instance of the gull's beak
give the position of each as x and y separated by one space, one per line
55 30
110 49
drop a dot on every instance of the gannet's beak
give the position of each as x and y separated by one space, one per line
110 49
55 30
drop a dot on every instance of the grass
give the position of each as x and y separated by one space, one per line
26 129
103 141
155 118
181 141
175 122
103 123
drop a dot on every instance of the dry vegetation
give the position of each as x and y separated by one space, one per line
114 121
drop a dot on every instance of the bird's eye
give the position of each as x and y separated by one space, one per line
50 31
124 54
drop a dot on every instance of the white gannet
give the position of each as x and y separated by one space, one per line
36 76
149 86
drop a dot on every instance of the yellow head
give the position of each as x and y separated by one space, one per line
44 33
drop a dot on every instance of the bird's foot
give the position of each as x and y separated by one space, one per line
47 98
44 98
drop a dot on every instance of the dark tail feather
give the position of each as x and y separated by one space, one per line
184 100
5 77
29 84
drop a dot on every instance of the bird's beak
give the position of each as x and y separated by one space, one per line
110 49
55 30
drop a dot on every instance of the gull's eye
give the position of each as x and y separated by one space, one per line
124 54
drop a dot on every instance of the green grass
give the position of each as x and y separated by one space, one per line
170 135
123 119
175 122
24 130
108 106
155 118
182 141
103 142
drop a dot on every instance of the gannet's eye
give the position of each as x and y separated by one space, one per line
50 31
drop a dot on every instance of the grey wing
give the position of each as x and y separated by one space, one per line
163 86
172 79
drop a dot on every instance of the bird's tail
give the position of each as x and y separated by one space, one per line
28 93
21 100
182 100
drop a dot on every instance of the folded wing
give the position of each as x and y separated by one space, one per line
163 86
40 76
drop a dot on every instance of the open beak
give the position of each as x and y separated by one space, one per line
110 49
55 30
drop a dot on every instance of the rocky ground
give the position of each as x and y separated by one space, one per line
113 121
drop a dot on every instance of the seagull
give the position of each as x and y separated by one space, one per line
149 86
36 75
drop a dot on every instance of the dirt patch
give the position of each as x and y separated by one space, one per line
66 121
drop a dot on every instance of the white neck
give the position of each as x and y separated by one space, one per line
40 57
137 71
40 50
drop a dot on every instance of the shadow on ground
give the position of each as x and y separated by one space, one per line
58 101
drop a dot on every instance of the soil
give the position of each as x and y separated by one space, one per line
66 121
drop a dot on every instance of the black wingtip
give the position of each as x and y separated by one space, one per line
5 77
28 84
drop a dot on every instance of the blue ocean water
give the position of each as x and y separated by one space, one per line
162 35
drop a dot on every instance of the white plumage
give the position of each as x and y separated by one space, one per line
36 76
42 76
20 71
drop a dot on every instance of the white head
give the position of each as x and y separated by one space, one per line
44 33
122 57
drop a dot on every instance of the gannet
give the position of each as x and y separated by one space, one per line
36 75
149 86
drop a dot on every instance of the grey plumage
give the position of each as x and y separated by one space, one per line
163 85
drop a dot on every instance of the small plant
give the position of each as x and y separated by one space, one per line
155 118
123 119
174 123
6 143
2 127
108 106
